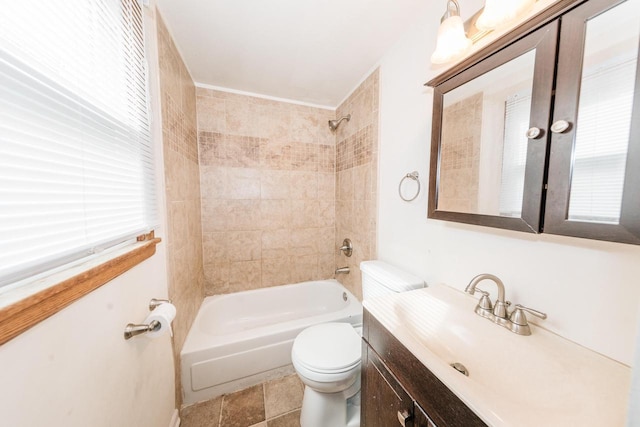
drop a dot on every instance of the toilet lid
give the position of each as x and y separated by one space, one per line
328 347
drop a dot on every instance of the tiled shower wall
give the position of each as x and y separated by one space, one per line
460 158
267 172
356 186
182 180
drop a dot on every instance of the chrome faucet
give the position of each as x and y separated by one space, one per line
342 270
516 322
500 309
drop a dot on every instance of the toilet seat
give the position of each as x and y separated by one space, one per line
327 349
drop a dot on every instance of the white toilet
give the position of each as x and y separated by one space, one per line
327 356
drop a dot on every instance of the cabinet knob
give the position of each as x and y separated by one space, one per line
560 126
534 133
403 417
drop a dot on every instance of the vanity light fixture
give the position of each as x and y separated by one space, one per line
455 37
499 12
452 41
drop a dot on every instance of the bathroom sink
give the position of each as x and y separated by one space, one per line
513 380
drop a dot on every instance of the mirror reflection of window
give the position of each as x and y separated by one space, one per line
604 115
517 109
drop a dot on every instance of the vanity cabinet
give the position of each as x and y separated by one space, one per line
398 390
540 132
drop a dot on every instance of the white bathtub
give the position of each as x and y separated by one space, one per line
242 339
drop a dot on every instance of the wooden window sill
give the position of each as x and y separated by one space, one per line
26 306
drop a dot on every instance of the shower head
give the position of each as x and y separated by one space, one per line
333 124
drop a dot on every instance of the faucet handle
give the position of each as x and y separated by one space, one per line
484 302
519 318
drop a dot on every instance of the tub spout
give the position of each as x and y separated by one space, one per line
342 270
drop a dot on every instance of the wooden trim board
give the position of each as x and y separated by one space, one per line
25 313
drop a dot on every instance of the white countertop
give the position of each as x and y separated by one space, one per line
514 381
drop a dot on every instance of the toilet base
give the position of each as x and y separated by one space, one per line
329 409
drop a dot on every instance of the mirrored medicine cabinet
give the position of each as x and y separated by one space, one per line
540 132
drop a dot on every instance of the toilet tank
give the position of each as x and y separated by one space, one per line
380 278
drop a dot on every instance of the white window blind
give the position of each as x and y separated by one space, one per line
76 165
514 154
602 138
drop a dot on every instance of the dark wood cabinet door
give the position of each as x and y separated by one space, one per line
421 419
384 402
594 161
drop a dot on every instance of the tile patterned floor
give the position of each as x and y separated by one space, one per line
274 403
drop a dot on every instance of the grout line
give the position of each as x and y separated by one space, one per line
286 413
221 407
264 399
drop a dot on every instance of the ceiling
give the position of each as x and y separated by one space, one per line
312 51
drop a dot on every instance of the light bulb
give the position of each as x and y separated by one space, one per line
452 42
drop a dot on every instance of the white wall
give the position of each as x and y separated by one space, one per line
589 289
75 369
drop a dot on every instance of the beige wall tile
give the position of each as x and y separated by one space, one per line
276 271
326 158
237 118
182 176
345 185
242 214
242 183
218 182
243 245
356 179
214 246
325 239
211 114
303 241
275 184
344 214
362 182
216 276
304 268
245 275
268 175
326 266
326 213
275 243
304 128
326 186
274 214
305 213
304 185
213 181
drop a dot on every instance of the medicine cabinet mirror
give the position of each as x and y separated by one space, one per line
523 141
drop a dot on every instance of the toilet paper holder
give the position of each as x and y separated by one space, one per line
132 329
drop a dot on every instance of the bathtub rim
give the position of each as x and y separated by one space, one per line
196 339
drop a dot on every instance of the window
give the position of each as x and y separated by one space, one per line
514 157
76 164
602 139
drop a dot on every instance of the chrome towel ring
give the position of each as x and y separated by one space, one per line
414 176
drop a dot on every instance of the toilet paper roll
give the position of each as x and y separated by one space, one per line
164 313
